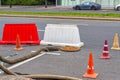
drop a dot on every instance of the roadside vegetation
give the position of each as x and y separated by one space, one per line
25 2
75 14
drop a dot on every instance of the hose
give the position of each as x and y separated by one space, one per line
22 58
39 76
35 76
7 71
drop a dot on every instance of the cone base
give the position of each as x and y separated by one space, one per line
86 75
18 49
115 48
105 57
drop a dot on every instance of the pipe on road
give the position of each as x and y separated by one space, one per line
59 77
34 76
38 76
7 71
22 58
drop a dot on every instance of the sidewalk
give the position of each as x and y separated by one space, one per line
61 17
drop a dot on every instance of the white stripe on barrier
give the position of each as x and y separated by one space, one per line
105 45
105 51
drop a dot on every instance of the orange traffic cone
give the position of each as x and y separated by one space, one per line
18 44
105 51
116 42
90 71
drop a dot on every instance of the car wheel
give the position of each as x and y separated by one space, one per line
77 8
118 8
93 8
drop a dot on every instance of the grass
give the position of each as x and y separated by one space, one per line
76 14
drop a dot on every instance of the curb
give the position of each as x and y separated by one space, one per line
61 17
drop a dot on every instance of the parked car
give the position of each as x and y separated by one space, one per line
87 6
117 7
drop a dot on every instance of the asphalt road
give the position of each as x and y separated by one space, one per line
92 33
54 9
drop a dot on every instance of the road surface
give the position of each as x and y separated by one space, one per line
92 33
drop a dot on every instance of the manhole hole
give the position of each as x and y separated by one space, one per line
70 48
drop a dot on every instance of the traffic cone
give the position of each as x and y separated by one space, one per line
90 71
116 42
105 54
18 44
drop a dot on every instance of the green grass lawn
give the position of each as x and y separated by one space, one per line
76 14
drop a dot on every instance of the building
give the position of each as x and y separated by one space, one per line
104 3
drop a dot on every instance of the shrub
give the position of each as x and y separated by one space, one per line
23 2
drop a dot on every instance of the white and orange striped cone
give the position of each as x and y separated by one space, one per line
105 54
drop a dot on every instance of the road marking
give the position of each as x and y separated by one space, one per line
51 53
33 51
23 62
20 63
82 24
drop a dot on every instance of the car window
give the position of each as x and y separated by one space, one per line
86 3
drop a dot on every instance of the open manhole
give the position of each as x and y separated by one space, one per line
70 48
49 79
